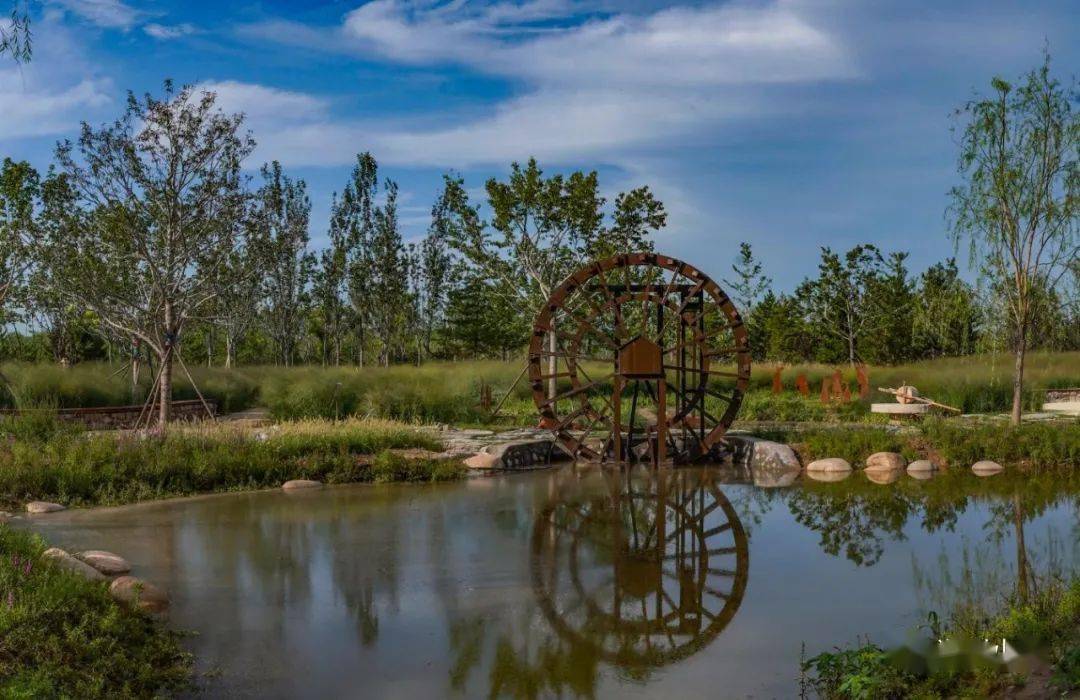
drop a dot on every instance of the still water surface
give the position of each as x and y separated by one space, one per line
578 582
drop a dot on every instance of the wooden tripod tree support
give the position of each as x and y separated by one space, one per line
153 400
658 333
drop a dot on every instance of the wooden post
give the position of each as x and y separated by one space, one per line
825 390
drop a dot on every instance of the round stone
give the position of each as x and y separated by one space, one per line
65 561
298 484
885 462
829 464
921 465
44 507
986 468
483 460
139 594
106 562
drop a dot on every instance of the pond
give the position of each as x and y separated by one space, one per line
576 581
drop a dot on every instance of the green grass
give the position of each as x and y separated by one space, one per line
449 392
949 443
92 469
63 636
1048 621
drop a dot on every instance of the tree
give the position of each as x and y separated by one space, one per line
1018 206
20 191
387 280
839 302
358 220
947 314
541 230
15 38
435 265
158 192
282 215
749 283
238 290
892 302
328 286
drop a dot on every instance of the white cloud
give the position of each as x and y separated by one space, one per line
265 105
51 94
591 88
169 31
43 111
712 45
112 14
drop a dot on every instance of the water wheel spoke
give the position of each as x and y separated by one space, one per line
726 573
716 530
576 391
717 593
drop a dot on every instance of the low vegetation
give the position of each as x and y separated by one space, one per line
64 636
948 443
441 392
1048 622
57 464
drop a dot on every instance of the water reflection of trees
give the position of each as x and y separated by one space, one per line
856 518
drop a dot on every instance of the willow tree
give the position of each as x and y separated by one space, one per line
1018 207
157 196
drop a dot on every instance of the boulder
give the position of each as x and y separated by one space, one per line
921 466
885 476
297 484
67 562
829 464
106 562
885 462
771 464
986 468
828 477
483 460
922 476
139 594
43 507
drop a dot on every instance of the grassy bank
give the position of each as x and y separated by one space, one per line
948 443
449 392
90 469
64 636
1048 621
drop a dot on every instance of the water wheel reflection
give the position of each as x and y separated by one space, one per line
644 574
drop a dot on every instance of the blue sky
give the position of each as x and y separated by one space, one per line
791 124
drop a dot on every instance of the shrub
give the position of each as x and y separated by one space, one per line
63 636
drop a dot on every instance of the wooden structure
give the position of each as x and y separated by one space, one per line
639 357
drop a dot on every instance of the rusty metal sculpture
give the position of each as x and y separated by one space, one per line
645 330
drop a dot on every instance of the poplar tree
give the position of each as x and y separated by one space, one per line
282 214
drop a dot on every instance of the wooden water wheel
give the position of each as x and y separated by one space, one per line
639 357
645 574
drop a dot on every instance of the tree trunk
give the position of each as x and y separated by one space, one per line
165 410
553 364
1018 377
851 350
135 376
228 351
